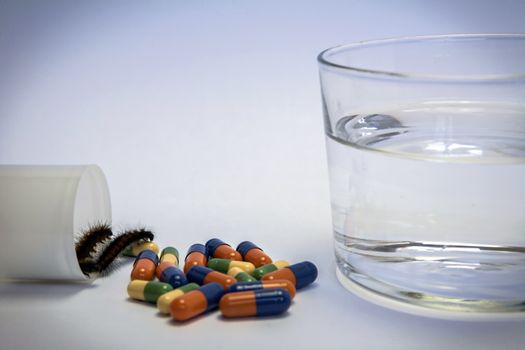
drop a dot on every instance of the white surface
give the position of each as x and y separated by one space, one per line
206 119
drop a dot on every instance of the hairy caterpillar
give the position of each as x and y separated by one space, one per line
97 249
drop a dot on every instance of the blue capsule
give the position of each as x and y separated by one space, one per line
174 276
197 255
300 274
258 285
145 265
265 302
204 275
196 302
218 249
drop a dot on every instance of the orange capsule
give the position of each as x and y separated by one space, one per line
265 302
196 302
252 253
197 256
300 274
258 285
221 250
204 275
145 265
161 267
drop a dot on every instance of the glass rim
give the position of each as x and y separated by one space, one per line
324 60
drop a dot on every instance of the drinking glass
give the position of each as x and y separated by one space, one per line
426 151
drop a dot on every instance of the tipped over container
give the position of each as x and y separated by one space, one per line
42 209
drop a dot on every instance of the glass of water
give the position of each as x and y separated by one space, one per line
426 152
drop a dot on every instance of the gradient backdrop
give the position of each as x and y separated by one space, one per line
206 119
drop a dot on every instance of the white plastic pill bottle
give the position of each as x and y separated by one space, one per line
42 208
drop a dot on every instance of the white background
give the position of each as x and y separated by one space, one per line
206 119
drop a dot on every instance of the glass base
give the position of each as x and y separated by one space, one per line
419 309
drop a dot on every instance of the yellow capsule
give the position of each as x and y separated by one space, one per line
246 266
240 275
164 301
136 289
172 259
263 270
170 255
281 263
136 249
147 290
224 265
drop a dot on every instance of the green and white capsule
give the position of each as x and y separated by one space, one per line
263 270
240 275
164 301
147 290
224 265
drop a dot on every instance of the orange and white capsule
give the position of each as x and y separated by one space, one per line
145 265
265 302
218 249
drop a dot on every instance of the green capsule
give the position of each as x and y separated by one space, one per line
240 275
263 270
224 265
147 290
171 255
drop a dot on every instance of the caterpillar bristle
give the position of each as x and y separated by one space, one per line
113 267
94 235
115 248
90 268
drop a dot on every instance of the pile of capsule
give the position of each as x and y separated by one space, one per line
241 282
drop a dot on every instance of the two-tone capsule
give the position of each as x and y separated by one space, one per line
171 274
240 275
197 256
145 265
137 248
258 285
300 274
218 249
224 265
265 302
164 301
196 302
168 257
147 290
252 253
265 269
204 275
170 254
